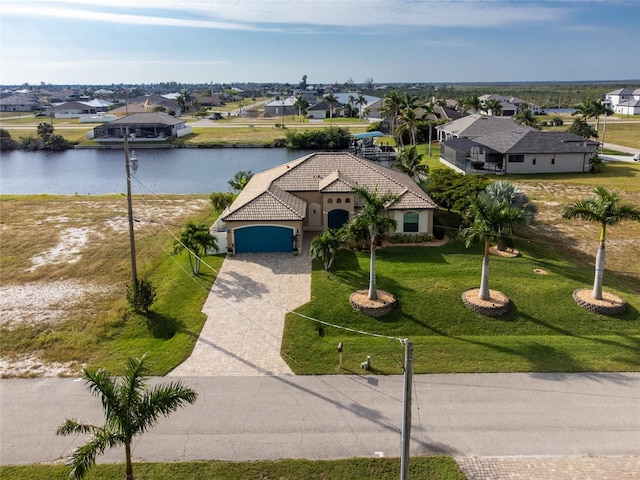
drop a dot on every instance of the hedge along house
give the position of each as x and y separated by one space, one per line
313 193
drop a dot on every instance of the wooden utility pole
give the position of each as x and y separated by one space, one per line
406 409
134 272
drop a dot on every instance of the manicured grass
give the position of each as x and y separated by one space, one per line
544 330
433 468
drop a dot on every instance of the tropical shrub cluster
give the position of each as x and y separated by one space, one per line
331 138
409 237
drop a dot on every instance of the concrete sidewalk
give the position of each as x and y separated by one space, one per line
245 315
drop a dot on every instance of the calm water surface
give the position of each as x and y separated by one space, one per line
99 172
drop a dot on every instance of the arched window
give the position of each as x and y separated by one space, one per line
338 200
330 200
347 200
410 221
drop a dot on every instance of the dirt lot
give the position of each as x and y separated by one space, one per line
63 256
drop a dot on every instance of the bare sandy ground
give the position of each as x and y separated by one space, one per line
53 301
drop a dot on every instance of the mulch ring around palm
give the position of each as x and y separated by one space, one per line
384 305
610 304
497 304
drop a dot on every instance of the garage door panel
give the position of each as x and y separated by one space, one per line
263 238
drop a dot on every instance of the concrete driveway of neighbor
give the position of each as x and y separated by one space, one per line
245 315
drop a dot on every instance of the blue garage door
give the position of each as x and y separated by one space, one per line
263 239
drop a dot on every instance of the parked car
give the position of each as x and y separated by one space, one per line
636 157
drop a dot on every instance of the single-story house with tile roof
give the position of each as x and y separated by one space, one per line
314 193
152 126
520 150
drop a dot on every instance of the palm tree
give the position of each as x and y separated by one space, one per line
429 112
472 103
493 218
391 108
240 180
352 101
606 209
324 247
493 106
373 218
409 122
360 101
331 101
526 117
410 162
130 409
197 239
301 104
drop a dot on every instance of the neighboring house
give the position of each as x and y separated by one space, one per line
475 125
624 100
308 95
212 100
519 150
79 109
148 103
510 105
314 193
278 108
155 126
19 102
320 110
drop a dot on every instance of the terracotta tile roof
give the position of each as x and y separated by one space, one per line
270 195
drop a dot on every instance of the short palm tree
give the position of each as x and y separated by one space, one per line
196 239
324 247
240 180
493 218
526 117
301 104
409 161
372 217
606 209
391 108
409 123
331 101
130 409
360 101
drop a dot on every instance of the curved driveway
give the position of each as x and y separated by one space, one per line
245 315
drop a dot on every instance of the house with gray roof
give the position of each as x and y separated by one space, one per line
517 150
625 101
145 127
313 193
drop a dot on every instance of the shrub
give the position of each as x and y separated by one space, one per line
141 296
409 238
331 138
6 142
438 232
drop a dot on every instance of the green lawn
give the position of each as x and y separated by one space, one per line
433 468
544 331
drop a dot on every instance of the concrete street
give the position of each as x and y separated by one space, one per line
271 417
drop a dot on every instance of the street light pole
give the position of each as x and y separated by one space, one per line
134 272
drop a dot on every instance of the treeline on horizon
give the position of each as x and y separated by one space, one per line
545 94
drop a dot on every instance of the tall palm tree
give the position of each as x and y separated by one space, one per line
324 247
331 100
372 217
493 218
240 180
196 239
391 108
430 114
130 409
409 120
409 161
606 209
360 101
301 104
352 101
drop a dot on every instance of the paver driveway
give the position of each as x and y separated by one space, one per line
245 315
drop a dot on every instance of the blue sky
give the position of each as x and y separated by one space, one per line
221 41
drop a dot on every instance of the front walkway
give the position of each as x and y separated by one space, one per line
245 315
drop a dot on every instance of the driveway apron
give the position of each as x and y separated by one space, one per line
245 315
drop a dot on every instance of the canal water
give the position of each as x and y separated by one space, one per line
99 172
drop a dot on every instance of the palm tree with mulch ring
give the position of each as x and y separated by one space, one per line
606 209
372 217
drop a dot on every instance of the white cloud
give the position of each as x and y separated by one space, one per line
261 14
